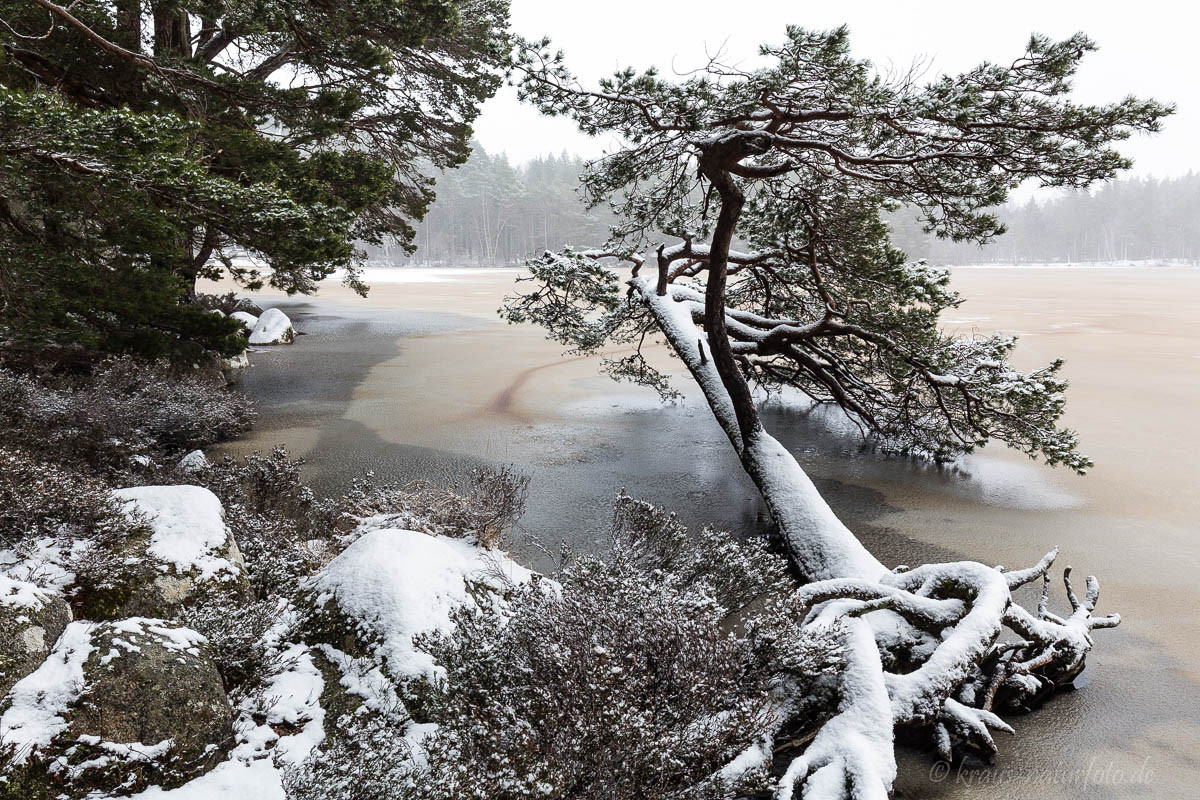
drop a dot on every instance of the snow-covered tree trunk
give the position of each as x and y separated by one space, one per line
820 545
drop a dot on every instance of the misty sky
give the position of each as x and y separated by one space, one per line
1147 48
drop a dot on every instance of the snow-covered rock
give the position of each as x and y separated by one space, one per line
119 706
273 327
233 369
246 318
391 585
31 619
187 555
194 461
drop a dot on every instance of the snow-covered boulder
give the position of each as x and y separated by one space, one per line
118 706
273 327
391 585
31 619
186 556
247 319
194 461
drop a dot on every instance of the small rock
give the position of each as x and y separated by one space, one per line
273 327
233 369
194 461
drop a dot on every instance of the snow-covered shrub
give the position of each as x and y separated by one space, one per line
484 506
125 409
284 531
237 633
369 759
43 500
629 680
736 572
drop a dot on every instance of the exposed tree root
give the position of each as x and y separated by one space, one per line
940 624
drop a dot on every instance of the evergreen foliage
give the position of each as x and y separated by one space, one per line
144 145
800 161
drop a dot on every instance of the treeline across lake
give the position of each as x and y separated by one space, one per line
1139 219
491 213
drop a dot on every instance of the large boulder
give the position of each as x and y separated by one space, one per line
31 619
186 556
391 585
247 319
117 706
273 327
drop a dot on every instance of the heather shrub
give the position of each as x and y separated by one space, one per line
364 757
639 674
127 410
484 506
284 531
240 636
44 500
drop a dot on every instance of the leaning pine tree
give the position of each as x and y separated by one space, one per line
796 162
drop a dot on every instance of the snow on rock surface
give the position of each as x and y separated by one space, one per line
246 318
194 461
273 327
400 583
189 529
39 702
31 619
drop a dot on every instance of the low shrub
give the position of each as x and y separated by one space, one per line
127 410
284 531
485 506
44 500
641 674
238 634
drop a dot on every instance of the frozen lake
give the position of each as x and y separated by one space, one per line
422 379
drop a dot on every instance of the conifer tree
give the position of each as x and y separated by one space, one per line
750 207
144 144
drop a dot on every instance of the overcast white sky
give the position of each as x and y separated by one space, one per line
1147 48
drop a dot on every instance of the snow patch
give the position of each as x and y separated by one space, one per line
296 695
39 701
253 780
21 594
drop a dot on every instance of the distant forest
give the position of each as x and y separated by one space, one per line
490 213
